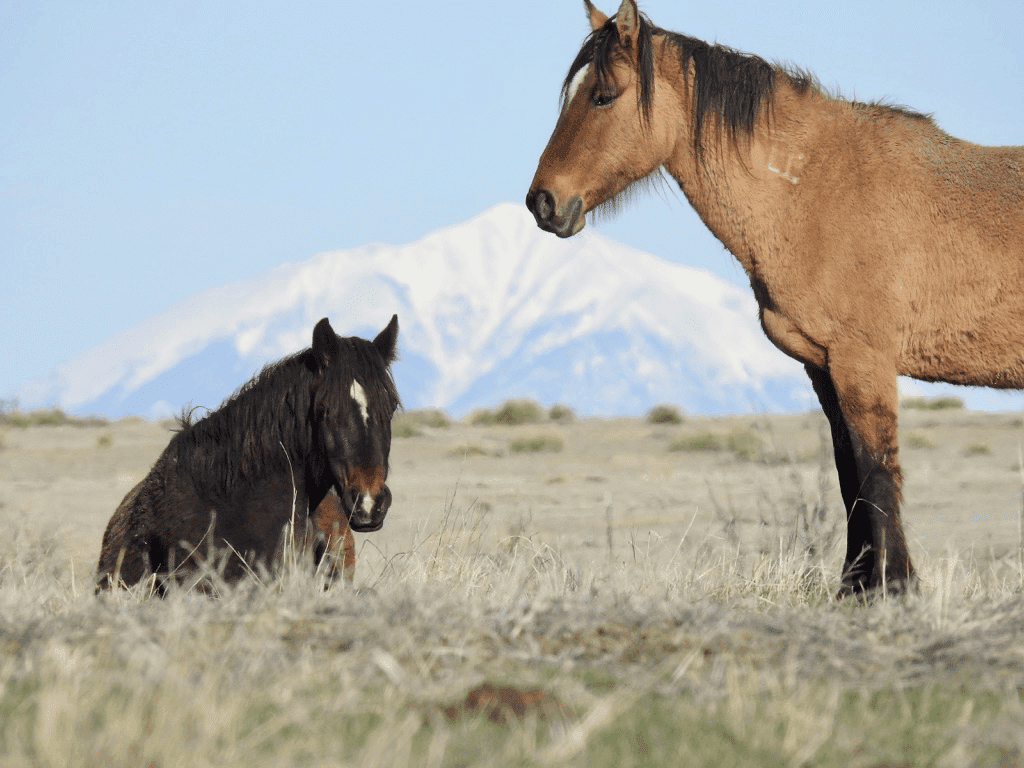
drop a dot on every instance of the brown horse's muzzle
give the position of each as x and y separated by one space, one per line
366 512
564 221
365 498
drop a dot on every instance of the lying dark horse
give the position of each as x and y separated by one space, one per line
876 244
301 447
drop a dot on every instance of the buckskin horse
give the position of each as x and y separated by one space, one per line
876 244
302 447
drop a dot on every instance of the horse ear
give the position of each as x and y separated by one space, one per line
597 19
387 340
325 341
627 19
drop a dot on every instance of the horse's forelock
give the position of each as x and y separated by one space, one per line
358 362
717 92
598 52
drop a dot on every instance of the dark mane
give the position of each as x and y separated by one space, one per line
266 425
730 87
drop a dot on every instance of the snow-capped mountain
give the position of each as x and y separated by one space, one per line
489 309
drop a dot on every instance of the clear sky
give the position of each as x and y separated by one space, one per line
152 149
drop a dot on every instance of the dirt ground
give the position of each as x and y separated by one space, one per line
613 487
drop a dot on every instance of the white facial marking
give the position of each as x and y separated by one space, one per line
577 81
367 503
357 393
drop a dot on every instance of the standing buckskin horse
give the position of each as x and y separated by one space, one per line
303 447
876 244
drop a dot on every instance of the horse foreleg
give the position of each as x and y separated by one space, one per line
859 395
340 547
860 558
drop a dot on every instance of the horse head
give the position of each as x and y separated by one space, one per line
352 420
612 131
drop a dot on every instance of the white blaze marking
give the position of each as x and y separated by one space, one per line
577 81
357 393
367 503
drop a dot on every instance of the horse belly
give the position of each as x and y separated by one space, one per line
984 354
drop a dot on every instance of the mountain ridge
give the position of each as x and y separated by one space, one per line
488 309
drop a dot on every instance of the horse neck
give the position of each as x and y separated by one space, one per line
742 186
242 441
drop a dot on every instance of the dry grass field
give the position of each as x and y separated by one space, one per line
570 592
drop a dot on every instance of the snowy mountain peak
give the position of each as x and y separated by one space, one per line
488 309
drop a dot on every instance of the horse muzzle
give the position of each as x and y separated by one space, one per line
366 511
365 498
564 221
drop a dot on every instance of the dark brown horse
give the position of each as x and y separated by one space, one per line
303 447
876 244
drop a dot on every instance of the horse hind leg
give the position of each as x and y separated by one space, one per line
861 409
125 557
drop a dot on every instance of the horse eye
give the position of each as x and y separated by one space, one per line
601 98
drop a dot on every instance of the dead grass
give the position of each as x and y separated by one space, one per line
459 653
483 640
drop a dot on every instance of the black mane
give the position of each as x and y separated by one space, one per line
267 424
730 87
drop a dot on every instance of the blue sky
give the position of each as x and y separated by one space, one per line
150 150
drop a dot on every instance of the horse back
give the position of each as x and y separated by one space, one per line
910 240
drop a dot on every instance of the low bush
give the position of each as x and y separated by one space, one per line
563 414
511 414
933 403
664 414
744 443
409 423
701 441
536 444
918 440
978 448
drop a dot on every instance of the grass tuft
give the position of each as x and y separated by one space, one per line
918 440
665 414
563 414
410 423
536 444
511 414
933 403
978 448
700 441
744 443
462 451
48 417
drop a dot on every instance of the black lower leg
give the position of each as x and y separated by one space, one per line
860 549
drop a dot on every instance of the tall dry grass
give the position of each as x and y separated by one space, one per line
706 651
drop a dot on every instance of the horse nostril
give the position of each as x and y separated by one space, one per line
541 204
